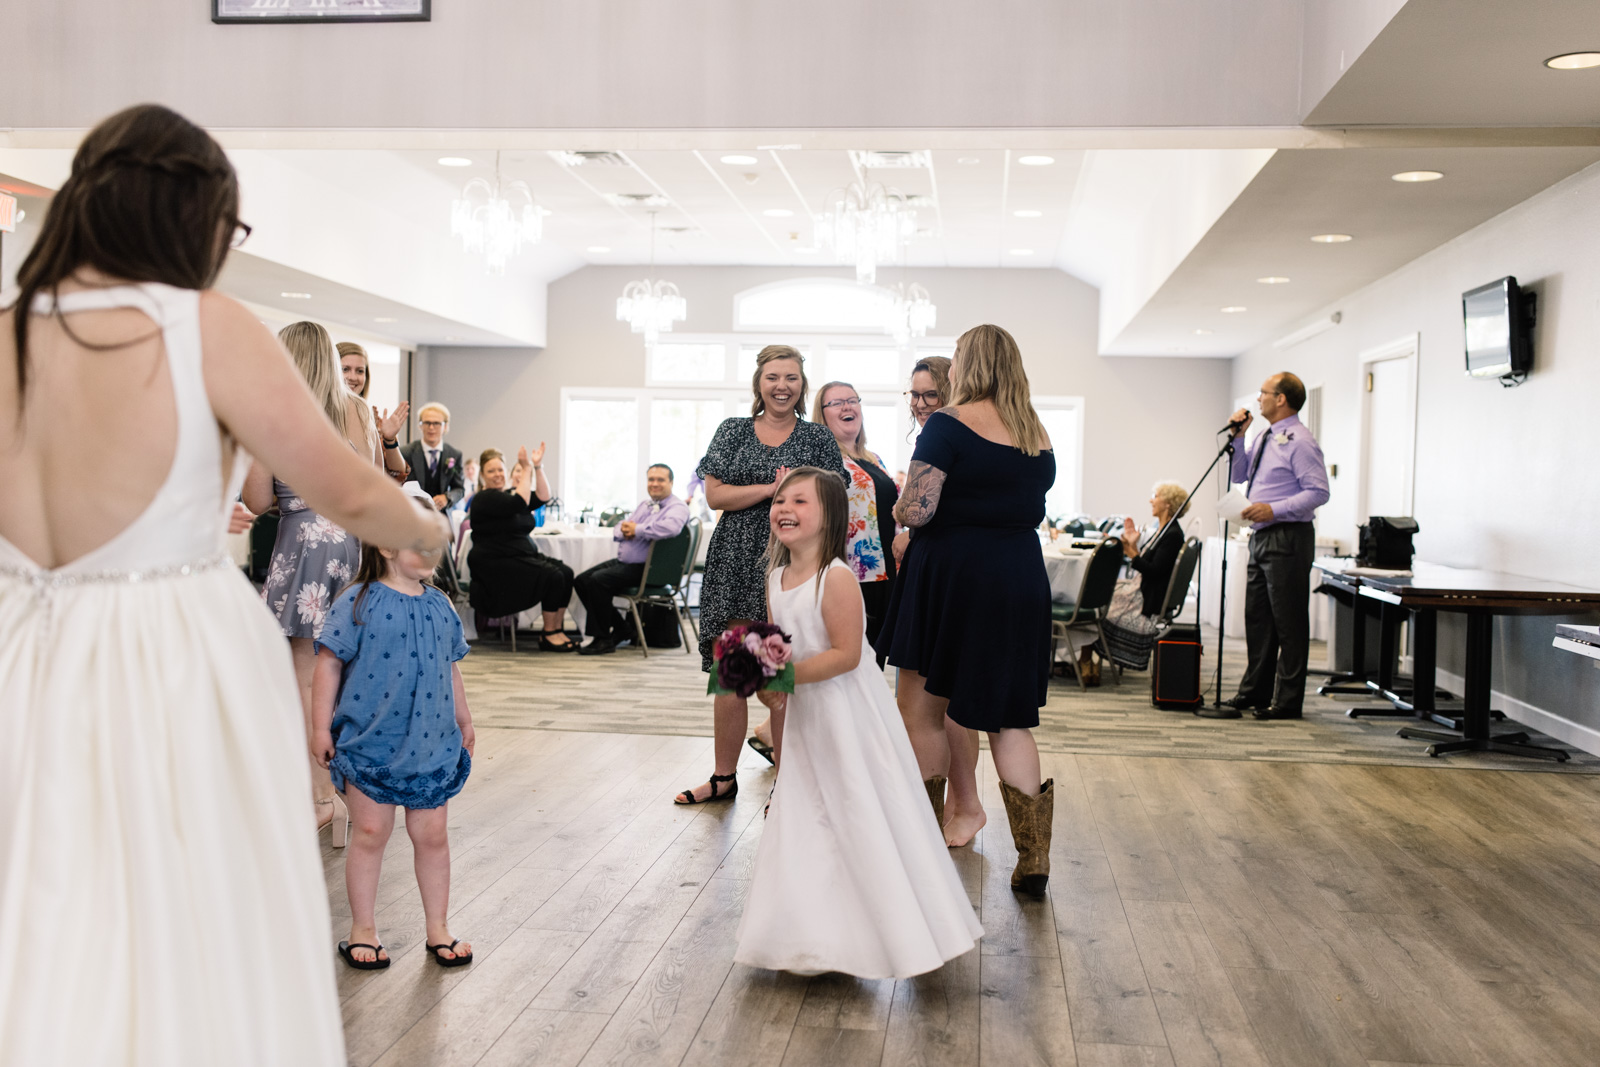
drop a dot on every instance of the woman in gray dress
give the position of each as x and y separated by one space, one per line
312 557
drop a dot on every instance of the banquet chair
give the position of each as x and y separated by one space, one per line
668 560
690 566
1182 577
1130 650
1083 615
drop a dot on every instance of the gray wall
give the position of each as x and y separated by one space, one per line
1502 475
1145 418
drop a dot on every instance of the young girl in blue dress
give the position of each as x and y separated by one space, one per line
390 721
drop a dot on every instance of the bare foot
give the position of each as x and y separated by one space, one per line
960 827
763 733
360 938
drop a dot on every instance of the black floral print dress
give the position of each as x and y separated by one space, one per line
735 584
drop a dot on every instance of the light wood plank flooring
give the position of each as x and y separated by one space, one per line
1202 911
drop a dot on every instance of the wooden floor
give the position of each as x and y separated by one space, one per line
1201 911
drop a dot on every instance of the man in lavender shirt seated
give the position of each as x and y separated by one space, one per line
662 515
1286 481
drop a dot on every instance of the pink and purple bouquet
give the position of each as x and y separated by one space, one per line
750 656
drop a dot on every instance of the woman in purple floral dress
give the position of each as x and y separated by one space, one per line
312 558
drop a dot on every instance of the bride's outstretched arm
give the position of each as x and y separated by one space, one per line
845 617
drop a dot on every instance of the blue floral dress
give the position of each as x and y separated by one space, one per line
394 727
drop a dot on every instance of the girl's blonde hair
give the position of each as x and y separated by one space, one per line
768 355
350 348
312 350
859 449
988 366
835 504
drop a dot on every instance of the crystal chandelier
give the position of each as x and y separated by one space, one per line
651 307
910 312
865 224
496 219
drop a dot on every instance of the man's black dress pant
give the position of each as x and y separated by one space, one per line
1277 615
596 587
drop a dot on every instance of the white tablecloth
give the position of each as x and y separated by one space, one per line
1238 566
1065 570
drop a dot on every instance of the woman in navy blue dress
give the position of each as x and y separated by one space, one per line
969 621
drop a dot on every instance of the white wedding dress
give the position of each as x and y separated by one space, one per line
161 893
852 874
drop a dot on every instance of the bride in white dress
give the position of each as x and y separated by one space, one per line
162 900
852 874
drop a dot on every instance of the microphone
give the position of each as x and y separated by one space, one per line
1234 424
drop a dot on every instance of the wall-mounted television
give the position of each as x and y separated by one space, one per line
1499 324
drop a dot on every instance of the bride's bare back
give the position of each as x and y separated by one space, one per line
87 447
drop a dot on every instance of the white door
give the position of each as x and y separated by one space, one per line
1388 447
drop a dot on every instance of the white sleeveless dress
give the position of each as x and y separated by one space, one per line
852 874
161 893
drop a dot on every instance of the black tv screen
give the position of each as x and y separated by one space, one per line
1499 341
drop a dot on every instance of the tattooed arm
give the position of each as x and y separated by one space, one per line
920 498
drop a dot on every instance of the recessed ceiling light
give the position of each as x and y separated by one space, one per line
968 161
1574 61
599 249
1331 238
777 213
1417 176
295 296
1202 333
454 161
385 318
1022 251
1027 213
739 161
1233 309
1036 161
1273 279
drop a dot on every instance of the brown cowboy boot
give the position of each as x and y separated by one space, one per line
936 796
1031 819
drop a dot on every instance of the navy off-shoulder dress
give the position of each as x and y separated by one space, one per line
971 611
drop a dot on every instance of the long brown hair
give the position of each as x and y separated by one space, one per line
991 369
768 355
835 504
151 198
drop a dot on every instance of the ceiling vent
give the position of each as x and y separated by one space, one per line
589 159
891 160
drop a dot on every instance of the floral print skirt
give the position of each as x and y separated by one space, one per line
312 559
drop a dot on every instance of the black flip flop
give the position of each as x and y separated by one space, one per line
454 961
762 749
349 957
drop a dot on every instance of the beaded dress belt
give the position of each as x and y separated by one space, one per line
44 581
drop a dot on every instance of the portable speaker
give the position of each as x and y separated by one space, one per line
1175 670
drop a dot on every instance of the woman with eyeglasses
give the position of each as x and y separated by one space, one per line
872 495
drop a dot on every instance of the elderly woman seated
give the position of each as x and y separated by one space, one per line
509 575
1130 623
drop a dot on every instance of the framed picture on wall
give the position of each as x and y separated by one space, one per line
231 11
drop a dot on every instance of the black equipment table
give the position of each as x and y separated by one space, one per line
1480 596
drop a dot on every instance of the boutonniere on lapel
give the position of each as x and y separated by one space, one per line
1283 438
449 463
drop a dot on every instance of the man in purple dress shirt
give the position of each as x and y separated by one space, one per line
661 515
1286 481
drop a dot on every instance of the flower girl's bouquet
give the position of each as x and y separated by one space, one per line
751 656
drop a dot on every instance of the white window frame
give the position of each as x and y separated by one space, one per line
1073 404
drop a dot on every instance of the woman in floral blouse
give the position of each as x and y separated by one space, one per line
872 499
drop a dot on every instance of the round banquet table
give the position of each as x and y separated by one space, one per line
1064 567
579 547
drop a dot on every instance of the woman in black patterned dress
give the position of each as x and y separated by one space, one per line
746 460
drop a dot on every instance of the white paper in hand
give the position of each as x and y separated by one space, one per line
1231 507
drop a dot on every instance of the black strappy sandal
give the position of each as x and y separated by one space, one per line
762 749
377 963
547 645
454 961
687 796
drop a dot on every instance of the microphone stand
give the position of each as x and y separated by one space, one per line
1218 710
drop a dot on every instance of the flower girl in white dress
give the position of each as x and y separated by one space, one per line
852 874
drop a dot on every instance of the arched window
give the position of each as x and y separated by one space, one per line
817 305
